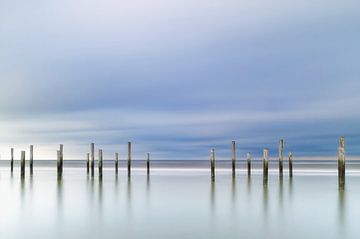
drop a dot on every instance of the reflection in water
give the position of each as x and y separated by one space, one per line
265 200
233 192
212 195
290 187
342 206
281 191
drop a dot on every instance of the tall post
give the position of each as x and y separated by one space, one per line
129 159
212 164
265 165
87 163
12 160
31 160
290 165
281 157
116 163
61 158
100 163
148 164
22 164
233 158
341 162
92 159
58 163
248 159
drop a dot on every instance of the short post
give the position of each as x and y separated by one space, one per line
265 165
31 159
129 159
341 162
212 164
58 163
22 164
290 165
92 159
116 163
87 163
61 158
248 159
281 151
100 163
148 164
233 158
12 160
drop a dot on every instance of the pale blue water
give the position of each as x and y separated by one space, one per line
180 201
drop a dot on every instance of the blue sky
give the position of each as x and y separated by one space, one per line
179 77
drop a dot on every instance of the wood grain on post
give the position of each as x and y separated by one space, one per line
92 159
12 160
31 160
100 163
22 164
290 165
116 163
341 162
212 164
265 165
88 163
129 159
148 164
248 159
233 158
281 157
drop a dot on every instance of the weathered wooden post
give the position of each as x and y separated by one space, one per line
281 151
61 158
212 164
22 164
87 163
129 159
92 159
12 160
100 163
290 165
233 158
265 165
341 162
116 163
59 163
31 160
248 159
148 164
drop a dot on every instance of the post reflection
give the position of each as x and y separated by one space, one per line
341 205
212 195
265 200
233 192
281 192
59 195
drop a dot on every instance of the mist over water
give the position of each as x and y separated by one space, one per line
179 202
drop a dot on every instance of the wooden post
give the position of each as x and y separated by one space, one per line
281 151
233 158
116 163
87 163
61 158
148 164
100 163
341 162
92 159
58 163
22 164
265 165
129 159
12 160
248 159
31 159
212 164
290 165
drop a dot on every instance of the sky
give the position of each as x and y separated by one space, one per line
178 77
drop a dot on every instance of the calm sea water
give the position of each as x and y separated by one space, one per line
179 200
